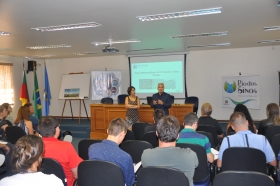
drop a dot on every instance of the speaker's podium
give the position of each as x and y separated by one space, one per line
102 114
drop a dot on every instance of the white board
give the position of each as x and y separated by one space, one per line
74 86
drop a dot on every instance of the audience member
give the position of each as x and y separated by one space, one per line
8 107
33 119
3 123
245 111
273 118
62 151
26 158
206 119
245 138
188 135
109 150
23 121
158 113
167 154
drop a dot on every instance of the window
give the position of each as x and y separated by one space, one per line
6 83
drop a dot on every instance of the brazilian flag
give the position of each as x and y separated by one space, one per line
36 98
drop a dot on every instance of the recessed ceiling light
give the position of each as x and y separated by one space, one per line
145 49
49 46
212 45
116 42
180 14
67 27
271 28
85 53
4 33
4 49
43 56
269 41
201 35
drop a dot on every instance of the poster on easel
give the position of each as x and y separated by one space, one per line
105 84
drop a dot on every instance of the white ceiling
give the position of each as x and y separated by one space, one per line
243 19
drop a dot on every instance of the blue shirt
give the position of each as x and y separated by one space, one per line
109 151
165 98
34 121
254 140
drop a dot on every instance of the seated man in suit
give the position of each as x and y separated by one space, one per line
188 135
167 154
109 150
245 138
161 100
158 113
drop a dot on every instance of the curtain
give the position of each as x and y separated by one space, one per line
6 83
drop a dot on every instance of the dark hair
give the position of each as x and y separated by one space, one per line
116 126
168 128
158 113
273 112
6 106
190 119
27 150
245 111
2 108
23 113
129 89
238 118
47 126
27 104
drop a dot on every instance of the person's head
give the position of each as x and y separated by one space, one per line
238 121
272 111
168 128
131 90
242 108
48 127
117 129
190 120
27 153
206 109
3 112
158 113
8 107
30 106
23 114
160 88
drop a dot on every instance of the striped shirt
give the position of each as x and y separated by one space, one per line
188 135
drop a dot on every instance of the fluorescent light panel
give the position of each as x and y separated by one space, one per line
201 35
43 56
49 46
85 53
4 49
116 42
212 45
180 14
67 27
271 28
146 49
269 41
4 33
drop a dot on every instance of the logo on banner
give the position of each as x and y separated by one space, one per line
230 88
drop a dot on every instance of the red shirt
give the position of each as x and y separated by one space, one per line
65 154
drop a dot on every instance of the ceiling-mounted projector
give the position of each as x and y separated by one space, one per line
110 49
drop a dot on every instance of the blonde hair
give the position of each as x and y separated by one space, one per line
206 109
160 84
273 112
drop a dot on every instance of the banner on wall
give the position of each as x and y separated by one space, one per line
241 90
105 84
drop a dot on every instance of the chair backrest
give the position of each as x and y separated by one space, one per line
13 133
139 130
135 148
83 146
212 130
149 100
121 98
244 159
151 176
242 178
107 100
129 135
172 99
202 170
276 144
209 136
194 100
152 138
51 166
271 131
99 173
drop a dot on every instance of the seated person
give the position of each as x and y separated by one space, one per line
8 107
23 121
273 118
32 118
245 138
109 150
158 113
167 154
3 123
188 135
206 119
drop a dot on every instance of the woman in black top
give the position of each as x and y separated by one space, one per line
273 118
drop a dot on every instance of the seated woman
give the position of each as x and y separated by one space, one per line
245 111
26 158
23 120
273 118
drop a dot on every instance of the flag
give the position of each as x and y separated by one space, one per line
36 97
24 97
47 93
